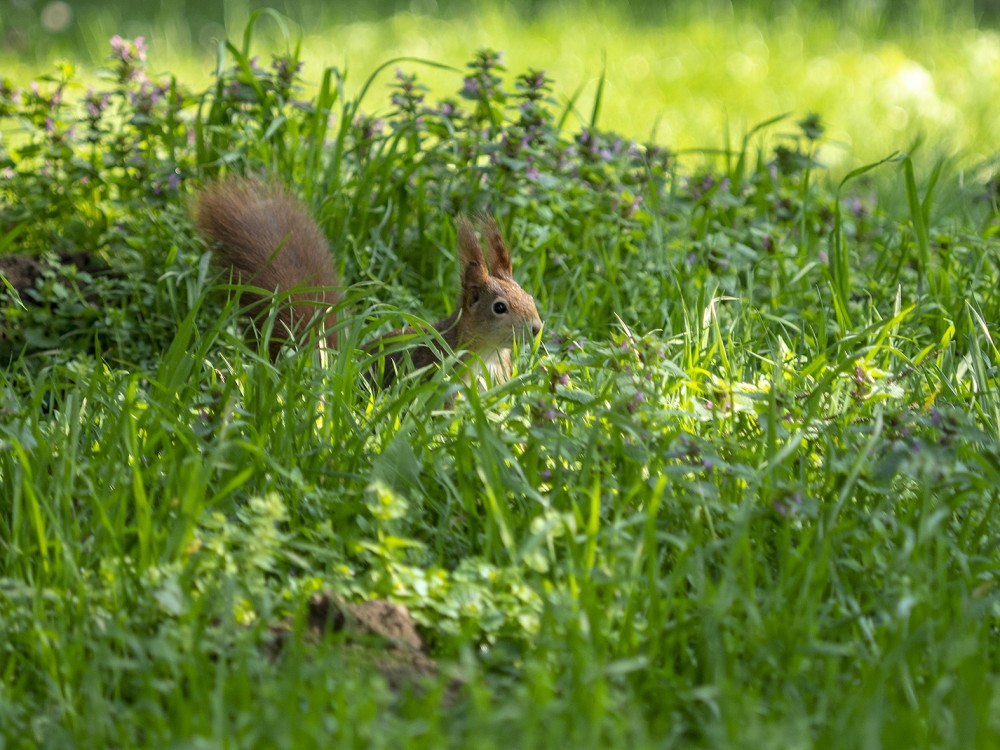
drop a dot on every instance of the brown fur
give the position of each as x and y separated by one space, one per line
268 240
474 325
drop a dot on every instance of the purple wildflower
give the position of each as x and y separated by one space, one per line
471 88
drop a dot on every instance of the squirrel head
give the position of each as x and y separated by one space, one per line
494 309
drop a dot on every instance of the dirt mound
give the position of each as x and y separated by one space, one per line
24 271
378 632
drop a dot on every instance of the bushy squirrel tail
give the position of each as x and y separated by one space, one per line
265 236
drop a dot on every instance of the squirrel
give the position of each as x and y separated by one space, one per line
266 238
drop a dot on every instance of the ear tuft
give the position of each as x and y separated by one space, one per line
472 265
469 249
500 263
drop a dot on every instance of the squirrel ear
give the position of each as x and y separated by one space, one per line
500 264
472 265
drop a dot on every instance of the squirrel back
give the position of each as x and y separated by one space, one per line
265 236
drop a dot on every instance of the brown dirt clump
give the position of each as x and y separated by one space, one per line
23 271
378 632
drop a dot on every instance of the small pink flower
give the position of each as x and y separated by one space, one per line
118 46
128 51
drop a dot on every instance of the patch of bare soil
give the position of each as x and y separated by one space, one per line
379 632
24 271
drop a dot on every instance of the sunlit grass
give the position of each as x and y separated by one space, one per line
682 83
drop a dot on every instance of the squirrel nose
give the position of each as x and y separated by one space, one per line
536 328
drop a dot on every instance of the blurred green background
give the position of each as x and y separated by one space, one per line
688 75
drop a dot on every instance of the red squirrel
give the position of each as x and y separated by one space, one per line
266 238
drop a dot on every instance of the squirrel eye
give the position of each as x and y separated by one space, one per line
499 308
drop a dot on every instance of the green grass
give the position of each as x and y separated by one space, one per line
743 494
688 78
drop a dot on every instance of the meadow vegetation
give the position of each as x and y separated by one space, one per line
688 75
743 492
